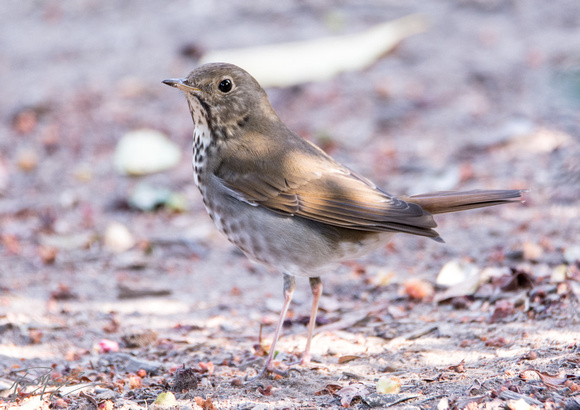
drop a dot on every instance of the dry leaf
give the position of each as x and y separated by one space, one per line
329 389
135 382
118 238
145 151
518 280
497 342
206 367
47 254
348 358
348 393
205 404
389 385
265 391
529 356
457 271
166 399
62 293
288 64
458 368
532 251
548 379
518 405
418 289
108 405
503 309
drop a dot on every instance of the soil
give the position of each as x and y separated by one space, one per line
488 97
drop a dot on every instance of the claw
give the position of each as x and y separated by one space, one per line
266 370
293 369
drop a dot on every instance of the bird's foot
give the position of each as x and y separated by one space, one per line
305 359
271 369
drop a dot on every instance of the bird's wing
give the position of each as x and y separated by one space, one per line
303 181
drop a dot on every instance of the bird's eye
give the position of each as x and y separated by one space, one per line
226 85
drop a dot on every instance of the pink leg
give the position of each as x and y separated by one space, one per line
316 287
289 287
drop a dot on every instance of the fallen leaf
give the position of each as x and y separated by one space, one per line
118 238
107 405
503 309
574 387
497 342
135 382
145 152
518 279
165 399
388 385
348 358
559 273
205 404
288 64
518 405
329 389
77 240
63 293
443 404
418 289
206 367
458 368
47 254
265 391
348 393
529 356
548 379
458 271
532 251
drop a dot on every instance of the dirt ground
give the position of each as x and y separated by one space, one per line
488 97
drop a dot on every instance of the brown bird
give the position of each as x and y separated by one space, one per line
282 200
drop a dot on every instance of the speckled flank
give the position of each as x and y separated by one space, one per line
202 149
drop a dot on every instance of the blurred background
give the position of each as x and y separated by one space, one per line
486 96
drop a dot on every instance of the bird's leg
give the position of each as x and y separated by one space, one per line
316 287
289 287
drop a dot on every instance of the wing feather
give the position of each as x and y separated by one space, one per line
305 182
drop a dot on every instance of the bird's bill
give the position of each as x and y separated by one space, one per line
181 84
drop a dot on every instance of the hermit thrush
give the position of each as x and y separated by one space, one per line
282 200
